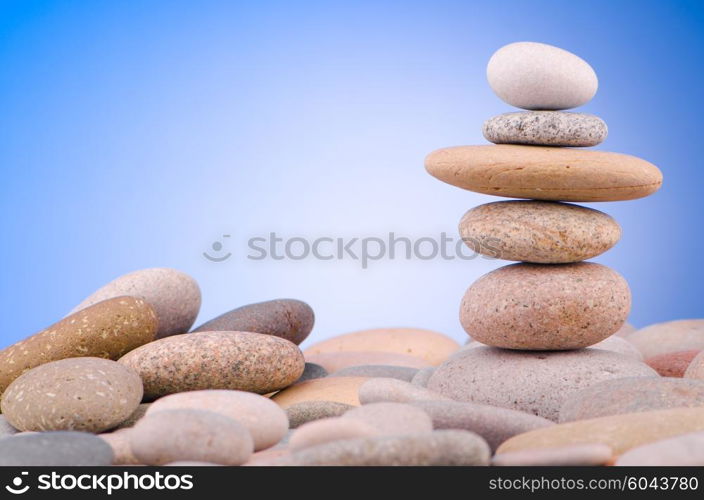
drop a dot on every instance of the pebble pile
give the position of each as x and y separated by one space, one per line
125 380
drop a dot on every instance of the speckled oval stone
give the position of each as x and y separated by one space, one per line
405 373
533 382
336 361
433 347
265 420
672 364
545 173
427 448
546 128
543 232
174 295
695 370
108 329
82 394
632 395
339 389
289 319
534 75
563 456
202 436
55 449
377 390
330 429
241 361
671 336
308 411
686 450
546 307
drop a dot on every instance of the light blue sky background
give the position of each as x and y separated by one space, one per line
134 134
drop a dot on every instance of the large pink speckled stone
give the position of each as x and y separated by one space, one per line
546 307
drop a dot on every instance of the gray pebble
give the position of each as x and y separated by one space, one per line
312 371
546 128
5 428
61 448
405 373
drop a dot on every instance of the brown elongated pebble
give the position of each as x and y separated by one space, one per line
330 429
534 382
405 373
632 395
120 444
494 424
392 418
83 394
546 307
138 413
542 232
672 364
265 420
427 448
286 318
339 389
243 361
561 456
378 390
545 173
336 361
108 329
671 336
308 411
202 436
174 295
683 450
695 369
422 376
620 432
431 346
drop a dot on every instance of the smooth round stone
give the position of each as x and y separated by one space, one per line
138 413
82 394
288 319
338 389
422 376
533 75
405 373
695 369
632 395
120 444
5 428
312 371
330 429
203 436
534 382
265 420
541 307
683 451
433 347
562 456
392 418
174 295
620 432
309 411
543 232
625 330
672 364
619 345
427 448
546 128
336 361
377 390
494 424
668 337
242 361
55 449
108 329
545 173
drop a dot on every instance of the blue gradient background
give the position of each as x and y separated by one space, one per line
134 134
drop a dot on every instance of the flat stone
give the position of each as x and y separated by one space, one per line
534 382
242 361
494 424
541 307
203 436
570 455
55 449
542 232
405 373
312 371
685 450
138 413
533 75
428 448
308 411
672 364
289 319
620 432
327 430
336 361
120 444
174 295
377 390
545 173
422 376
82 394
695 369
546 128
431 346
632 395
338 389
392 418
671 336
266 421
108 329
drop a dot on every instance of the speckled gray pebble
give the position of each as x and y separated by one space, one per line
308 411
55 449
422 376
312 371
546 128
405 373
